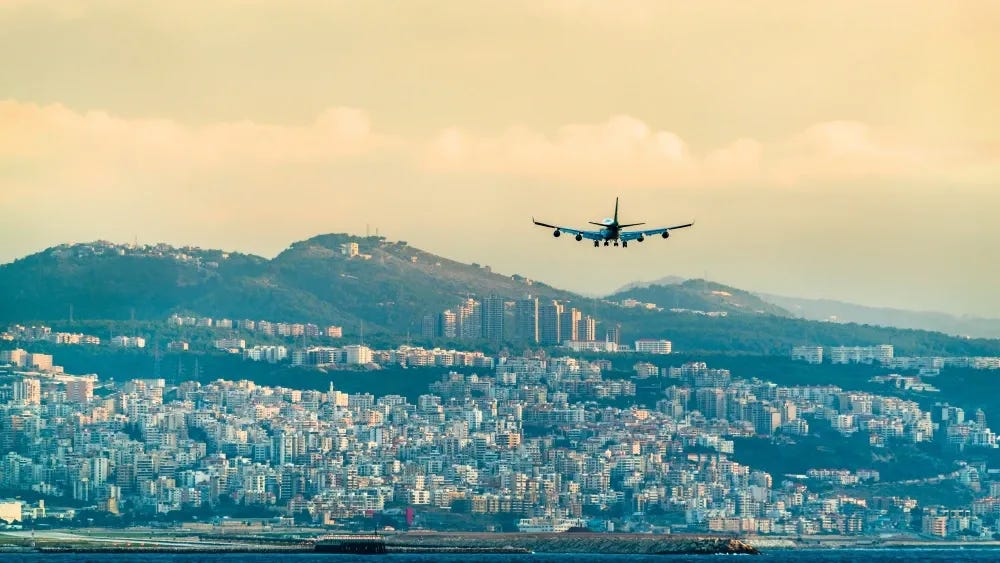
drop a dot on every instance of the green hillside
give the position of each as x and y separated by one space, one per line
390 286
700 295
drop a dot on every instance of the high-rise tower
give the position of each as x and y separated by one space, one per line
526 319
568 327
493 318
549 316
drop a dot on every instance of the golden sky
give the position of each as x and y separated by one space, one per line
847 150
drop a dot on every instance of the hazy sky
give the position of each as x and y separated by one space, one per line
847 150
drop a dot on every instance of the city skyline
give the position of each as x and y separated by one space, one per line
845 152
324 456
274 281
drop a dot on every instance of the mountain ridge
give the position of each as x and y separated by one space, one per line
701 295
389 286
312 279
835 310
840 311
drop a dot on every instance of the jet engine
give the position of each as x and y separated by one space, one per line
556 233
666 234
579 237
641 238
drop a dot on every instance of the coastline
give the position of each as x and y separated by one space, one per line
573 542
410 542
149 541
865 543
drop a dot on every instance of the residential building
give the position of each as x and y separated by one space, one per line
493 317
653 346
356 354
27 391
587 329
526 319
549 318
569 327
469 320
810 354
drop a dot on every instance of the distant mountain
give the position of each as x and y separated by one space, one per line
387 284
830 310
346 280
700 295
841 312
668 280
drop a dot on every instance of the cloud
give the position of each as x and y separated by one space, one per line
627 151
52 147
31 130
850 149
622 149
60 152
56 149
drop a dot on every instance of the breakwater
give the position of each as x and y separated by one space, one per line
434 542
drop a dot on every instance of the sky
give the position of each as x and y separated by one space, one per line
846 150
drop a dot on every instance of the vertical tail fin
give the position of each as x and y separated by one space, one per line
616 210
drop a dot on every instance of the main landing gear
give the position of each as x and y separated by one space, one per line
624 243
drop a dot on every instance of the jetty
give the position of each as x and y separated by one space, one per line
578 542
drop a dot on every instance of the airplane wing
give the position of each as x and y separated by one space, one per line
633 235
592 235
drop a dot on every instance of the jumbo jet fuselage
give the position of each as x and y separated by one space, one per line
609 229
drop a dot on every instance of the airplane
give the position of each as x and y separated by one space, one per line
611 231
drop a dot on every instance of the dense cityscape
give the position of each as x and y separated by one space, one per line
507 281
550 440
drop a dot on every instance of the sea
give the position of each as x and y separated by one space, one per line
942 555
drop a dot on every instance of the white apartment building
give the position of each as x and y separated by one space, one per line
652 346
16 357
349 249
810 354
357 355
128 341
881 353
27 392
